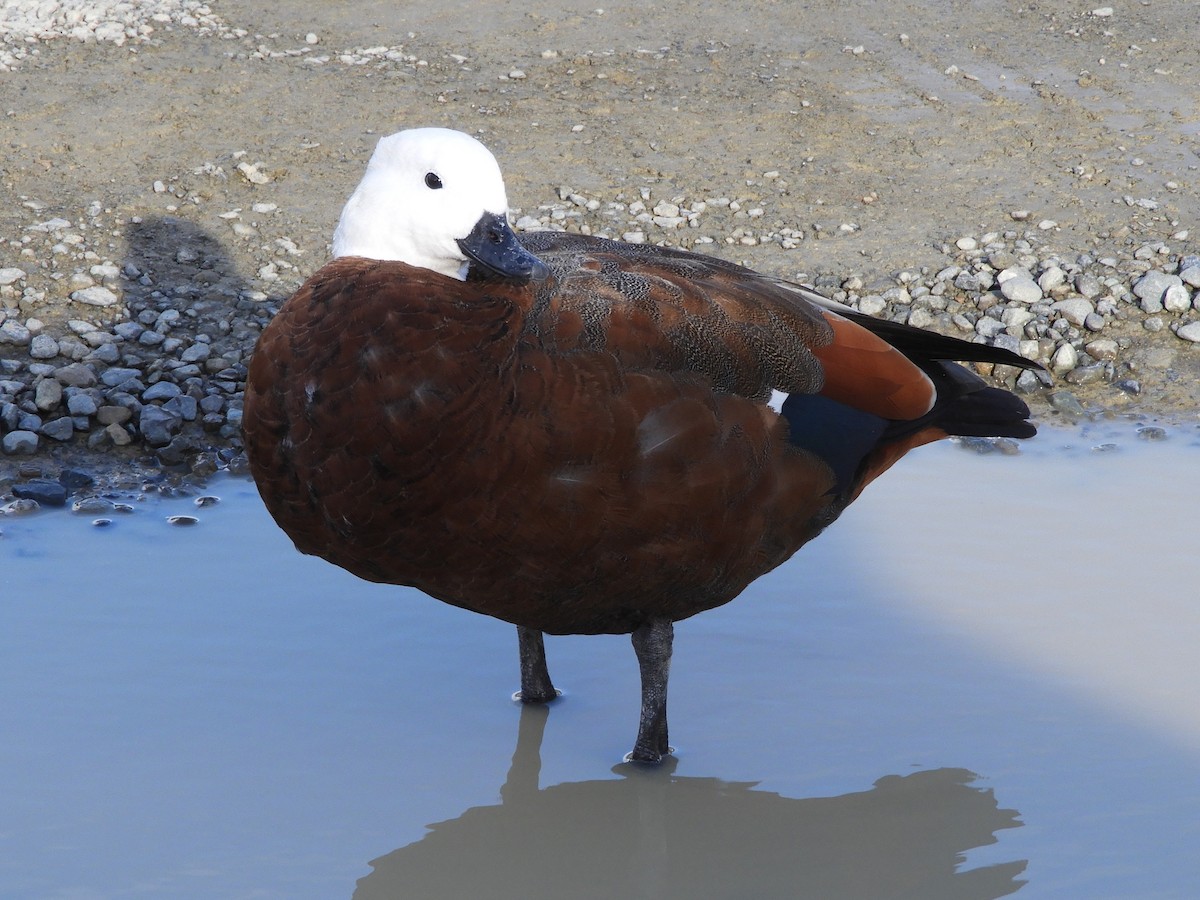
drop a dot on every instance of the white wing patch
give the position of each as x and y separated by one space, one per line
776 401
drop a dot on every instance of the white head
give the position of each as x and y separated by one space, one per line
425 190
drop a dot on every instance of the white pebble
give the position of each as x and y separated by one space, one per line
1021 289
966 243
311 38
252 173
1050 279
95 296
1064 360
1074 309
1176 298
1190 332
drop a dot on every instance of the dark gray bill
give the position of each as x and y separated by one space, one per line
495 250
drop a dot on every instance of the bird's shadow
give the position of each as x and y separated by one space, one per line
171 262
652 833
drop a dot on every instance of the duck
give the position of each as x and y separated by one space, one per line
573 434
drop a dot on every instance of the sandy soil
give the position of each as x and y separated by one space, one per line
698 98
915 123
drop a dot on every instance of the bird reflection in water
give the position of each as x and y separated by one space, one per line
652 833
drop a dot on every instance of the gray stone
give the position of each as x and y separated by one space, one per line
128 330
989 327
1064 360
10 416
43 347
183 406
166 319
75 375
1008 342
118 435
163 390
1074 309
1103 349
1088 285
48 394
966 281
872 304
1175 299
60 429
1190 275
118 375
1066 403
131 386
1190 332
13 332
1028 382
95 296
1050 279
196 353
1152 433
81 405
1092 374
113 415
1151 287
177 451
920 318
1021 289
212 403
106 353
158 425
20 443
44 491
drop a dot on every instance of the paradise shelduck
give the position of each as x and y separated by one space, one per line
573 434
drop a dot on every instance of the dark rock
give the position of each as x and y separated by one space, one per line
74 480
20 443
75 375
45 492
163 390
158 425
60 429
184 406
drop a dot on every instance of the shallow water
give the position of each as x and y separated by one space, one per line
982 680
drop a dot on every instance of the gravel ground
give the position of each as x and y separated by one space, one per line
1022 174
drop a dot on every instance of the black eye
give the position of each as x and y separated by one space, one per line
432 181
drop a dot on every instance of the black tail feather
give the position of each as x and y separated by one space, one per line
918 344
967 407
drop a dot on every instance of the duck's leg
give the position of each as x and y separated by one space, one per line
652 643
536 686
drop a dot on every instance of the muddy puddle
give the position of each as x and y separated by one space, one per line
981 681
